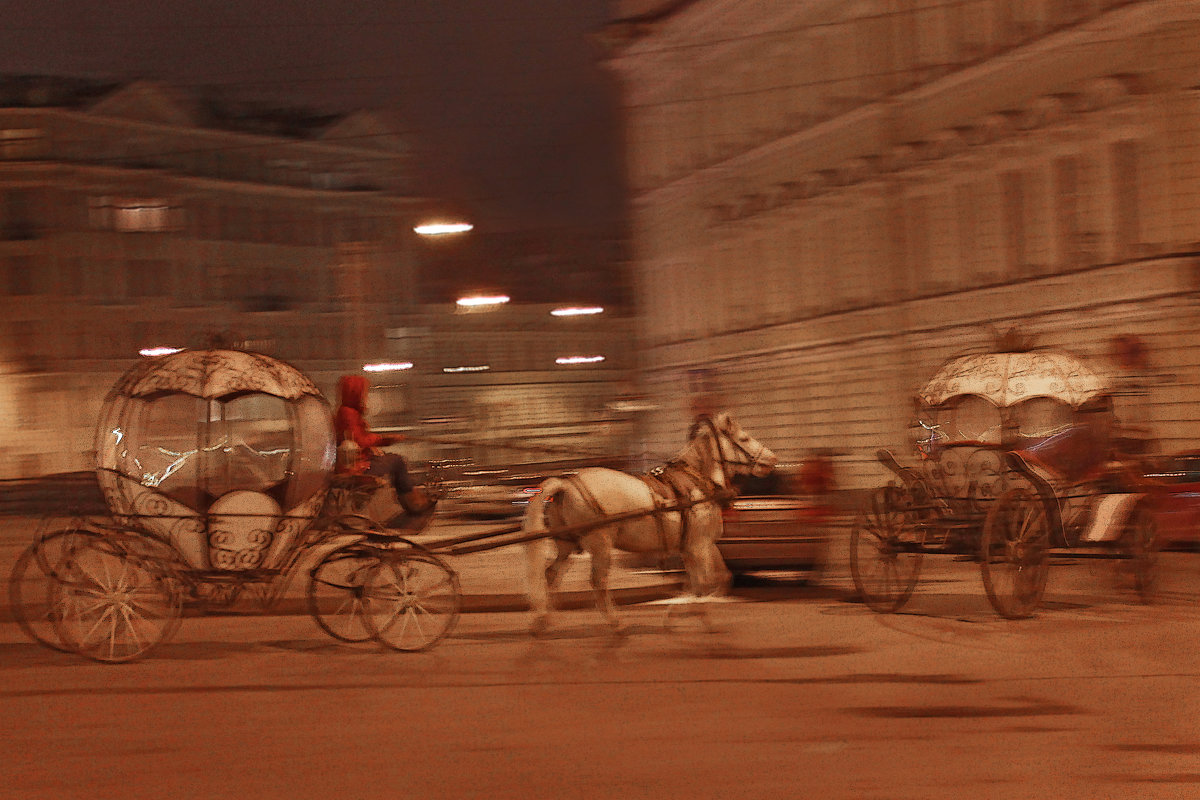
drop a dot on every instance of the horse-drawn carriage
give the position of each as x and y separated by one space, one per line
216 467
1020 457
217 470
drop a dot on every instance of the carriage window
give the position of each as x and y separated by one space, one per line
167 457
248 443
1040 417
973 419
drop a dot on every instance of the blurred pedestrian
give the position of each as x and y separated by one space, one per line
817 481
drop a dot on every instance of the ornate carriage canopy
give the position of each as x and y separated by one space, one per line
225 453
1006 379
1008 397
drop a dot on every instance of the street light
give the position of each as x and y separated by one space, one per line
388 366
442 228
477 300
576 311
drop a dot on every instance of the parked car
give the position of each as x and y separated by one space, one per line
772 526
1177 500
503 492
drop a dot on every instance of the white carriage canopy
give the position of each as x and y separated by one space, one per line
986 397
225 453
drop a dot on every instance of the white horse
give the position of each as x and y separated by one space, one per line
696 482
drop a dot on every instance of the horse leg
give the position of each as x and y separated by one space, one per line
707 577
599 547
543 579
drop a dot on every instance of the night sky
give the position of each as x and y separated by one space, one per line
506 96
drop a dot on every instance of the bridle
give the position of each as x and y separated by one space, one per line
720 437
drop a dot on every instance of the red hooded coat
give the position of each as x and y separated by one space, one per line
349 422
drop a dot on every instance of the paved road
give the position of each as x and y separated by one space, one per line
799 694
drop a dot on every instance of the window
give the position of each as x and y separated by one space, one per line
148 278
1066 209
21 275
17 208
19 143
134 215
1014 221
1126 222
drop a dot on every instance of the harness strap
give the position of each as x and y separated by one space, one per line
661 493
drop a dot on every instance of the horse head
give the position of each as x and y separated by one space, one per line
737 451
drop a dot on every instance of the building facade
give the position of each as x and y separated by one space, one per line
832 197
137 215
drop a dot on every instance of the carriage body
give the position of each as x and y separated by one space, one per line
1002 443
222 455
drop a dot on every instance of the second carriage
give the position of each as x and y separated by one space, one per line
1019 458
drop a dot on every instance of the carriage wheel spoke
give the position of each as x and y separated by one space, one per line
413 600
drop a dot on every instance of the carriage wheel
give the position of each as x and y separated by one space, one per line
1140 546
413 600
1014 552
335 591
885 550
116 604
33 586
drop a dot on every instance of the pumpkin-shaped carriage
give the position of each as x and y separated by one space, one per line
1019 457
217 470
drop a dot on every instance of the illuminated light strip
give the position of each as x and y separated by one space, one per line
388 367
483 300
578 359
442 228
478 368
154 352
575 311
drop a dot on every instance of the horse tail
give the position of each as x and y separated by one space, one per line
536 551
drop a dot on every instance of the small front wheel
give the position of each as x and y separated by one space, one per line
413 600
335 591
1014 553
886 550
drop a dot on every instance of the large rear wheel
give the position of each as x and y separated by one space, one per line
886 549
34 584
413 600
117 604
1014 553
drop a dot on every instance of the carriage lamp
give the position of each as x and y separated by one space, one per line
924 437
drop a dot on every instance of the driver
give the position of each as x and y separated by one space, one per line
351 426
